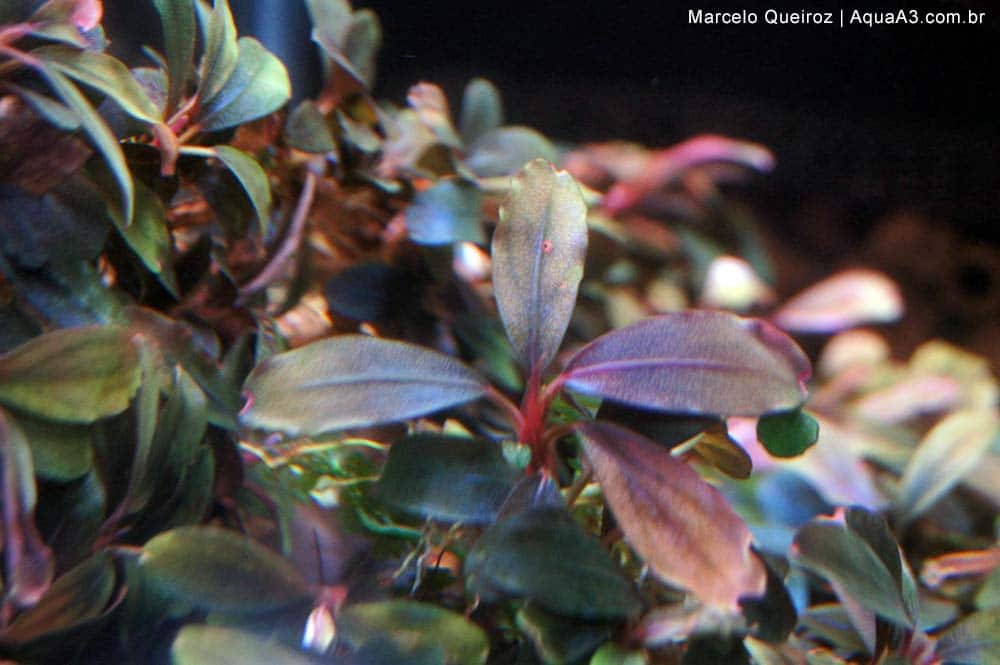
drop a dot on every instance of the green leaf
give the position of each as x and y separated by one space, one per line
544 556
844 557
538 252
221 51
353 381
950 450
414 626
58 114
307 129
559 640
252 178
695 362
148 236
446 478
221 570
257 86
178 20
75 375
60 451
612 654
105 74
482 109
361 44
446 213
680 525
27 560
342 34
218 645
80 595
787 433
975 640
502 151
97 130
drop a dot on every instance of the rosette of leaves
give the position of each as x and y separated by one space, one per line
522 545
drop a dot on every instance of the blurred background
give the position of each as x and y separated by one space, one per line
885 136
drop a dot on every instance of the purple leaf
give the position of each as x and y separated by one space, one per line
354 381
842 301
28 566
538 251
694 362
680 525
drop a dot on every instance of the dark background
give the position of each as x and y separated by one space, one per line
885 137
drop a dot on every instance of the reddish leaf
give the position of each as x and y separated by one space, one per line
679 524
538 252
27 560
694 362
842 301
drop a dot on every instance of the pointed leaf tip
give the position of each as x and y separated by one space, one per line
704 362
680 525
538 253
354 381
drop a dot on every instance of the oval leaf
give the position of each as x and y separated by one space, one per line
850 563
787 433
258 85
680 525
694 362
482 109
414 626
221 570
446 478
354 381
72 375
844 300
538 252
544 556
104 73
177 18
307 129
502 151
218 645
447 213
221 51
949 451
253 179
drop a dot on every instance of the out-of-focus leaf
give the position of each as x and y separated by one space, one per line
413 626
544 556
948 452
97 130
66 20
486 341
178 20
72 375
731 283
58 114
694 362
538 252
612 654
772 617
504 150
787 433
430 104
103 73
221 570
560 640
60 451
148 236
27 559
221 50
665 166
680 525
253 179
843 556
482 109
257 86
218 645
361 44
975 640
353 381
77 596
307 129
717 449
844 300
873 530
830 622
376 292
446 213
988 596
452 479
